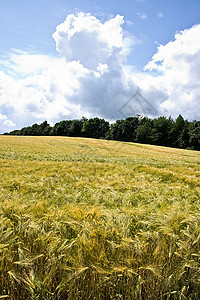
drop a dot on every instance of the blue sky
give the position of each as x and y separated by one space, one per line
26 29
29 24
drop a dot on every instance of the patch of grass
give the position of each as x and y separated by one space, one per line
92 219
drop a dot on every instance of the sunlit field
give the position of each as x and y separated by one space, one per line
93 219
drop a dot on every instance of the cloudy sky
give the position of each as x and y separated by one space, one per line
63 59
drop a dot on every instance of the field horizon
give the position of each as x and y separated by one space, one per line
98 219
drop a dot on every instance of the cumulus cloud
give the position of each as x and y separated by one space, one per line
37 88
88 79
91 77
177 67
86 39
104 49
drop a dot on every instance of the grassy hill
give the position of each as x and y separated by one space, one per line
93 219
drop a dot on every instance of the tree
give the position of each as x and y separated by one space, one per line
129 128
117 130
176 131
194 136
62 128
160 134
95 128
75 128
143 133
45 128
183 139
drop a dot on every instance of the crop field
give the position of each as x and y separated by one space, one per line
93 219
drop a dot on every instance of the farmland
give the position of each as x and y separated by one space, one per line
94 219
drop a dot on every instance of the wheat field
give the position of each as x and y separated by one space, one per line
95 219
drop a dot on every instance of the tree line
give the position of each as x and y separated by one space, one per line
160 131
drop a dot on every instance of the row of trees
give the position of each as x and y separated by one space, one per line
161 131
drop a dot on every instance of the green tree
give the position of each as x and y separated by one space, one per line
95 128
62 128
160 134
177 129
143 133
117 130
45 128
129 128
194 136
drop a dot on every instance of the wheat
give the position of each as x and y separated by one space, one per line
92 219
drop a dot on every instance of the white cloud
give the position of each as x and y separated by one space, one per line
88 79
85 38
142 16
91 76
177 67
160 15
41 93
5 123
2 117
129 23
9 123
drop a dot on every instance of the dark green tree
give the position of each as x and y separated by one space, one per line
178 127
116 130
76 127
129 129
62 128
95 128
45 128
194 136
160 134
143 133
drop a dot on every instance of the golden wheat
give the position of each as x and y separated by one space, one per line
92 219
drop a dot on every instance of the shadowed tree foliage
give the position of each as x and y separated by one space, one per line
129 128
143 133
117 130
36 129
160 134
194 135
76 128
178 127
95 128
62 128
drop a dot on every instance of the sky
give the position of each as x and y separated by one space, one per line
63 59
